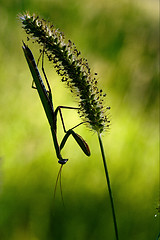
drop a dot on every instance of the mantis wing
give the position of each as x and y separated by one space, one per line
46 101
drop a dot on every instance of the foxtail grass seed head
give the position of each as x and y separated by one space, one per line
73 69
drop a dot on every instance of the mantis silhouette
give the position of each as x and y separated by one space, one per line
46 99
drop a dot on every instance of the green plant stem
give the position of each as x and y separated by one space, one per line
109 185
158 236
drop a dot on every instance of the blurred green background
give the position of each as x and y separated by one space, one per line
120 41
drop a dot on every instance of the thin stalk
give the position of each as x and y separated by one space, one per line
158 236
109 185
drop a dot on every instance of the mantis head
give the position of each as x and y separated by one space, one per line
62 161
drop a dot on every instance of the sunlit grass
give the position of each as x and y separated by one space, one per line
28 164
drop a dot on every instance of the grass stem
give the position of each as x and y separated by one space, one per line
158 236
109 185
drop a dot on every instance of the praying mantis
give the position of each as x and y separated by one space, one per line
46 100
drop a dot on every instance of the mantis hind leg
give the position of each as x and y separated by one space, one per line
34 87
49 89
41 52
45 76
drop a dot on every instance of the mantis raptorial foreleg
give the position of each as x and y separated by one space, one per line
81 142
